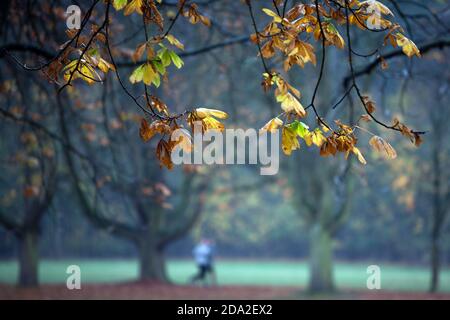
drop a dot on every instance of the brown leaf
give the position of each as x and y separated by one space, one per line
382 146
163 154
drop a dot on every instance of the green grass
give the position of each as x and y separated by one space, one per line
252 272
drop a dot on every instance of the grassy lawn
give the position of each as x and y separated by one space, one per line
252 272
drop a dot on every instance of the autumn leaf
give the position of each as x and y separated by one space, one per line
207 117
408 47
205 112
417 139
359 155
158 105
328 148
369 104
134 6
147 131
272 126
270 13
140 49
383 147
210 123
152 14
289 141
174 41
376 6
332 35
163 154
105 66
317 137
145 73
80 69
290 104
195 17
148 74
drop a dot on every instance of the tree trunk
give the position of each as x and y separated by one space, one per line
28 259
437 220
321 267
435 264
151 262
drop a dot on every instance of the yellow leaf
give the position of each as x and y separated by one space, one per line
148 74
289 141
134 5
210 123
207 118
272 126
205 20
205 112
358 153
308 139
276 17
174 41
105 66
290 104
408 47
317 137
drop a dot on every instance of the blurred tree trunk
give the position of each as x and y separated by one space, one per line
435 264
438 215
151 263
28 258
325 207
27 233
439 121
321 260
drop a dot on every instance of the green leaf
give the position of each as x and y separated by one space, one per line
156 80
119 4
159 67
300 128
176 59
137 74
164 55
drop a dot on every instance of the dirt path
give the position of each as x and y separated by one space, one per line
139 290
